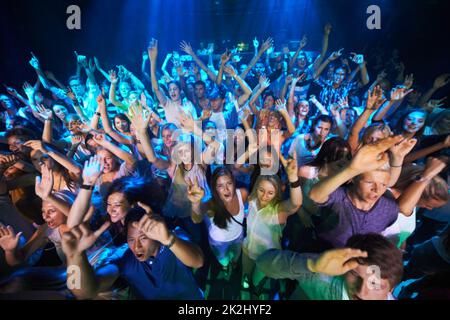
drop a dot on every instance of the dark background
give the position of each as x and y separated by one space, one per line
117 31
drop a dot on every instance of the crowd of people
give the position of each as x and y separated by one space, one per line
293 172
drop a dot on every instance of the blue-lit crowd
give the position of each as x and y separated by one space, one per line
283 172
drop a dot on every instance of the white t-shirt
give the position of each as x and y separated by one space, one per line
401 229
173 111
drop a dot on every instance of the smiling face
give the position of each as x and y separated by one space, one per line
117 207
141 246
74 126
167 138
414 122
266 192
121 125
52 216
174 92
109 162
60 111
370 186
361 286
15 144
303 108
225 188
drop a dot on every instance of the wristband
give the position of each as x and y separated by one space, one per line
172 242
295 184
98 114
87 187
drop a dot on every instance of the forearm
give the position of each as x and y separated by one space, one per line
364 74
114 101
70 165
252 63
80 206
118 152
321 191
95 121
427 96
320 107
220 75
159 95
321 69
353 138
88 287
14 257
411 196
288 120
149 152
47 133
208 71
383 110
188 253
424 152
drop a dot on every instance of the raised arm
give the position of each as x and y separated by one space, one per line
112 91
155 228
186 47
117 136
397 96
293 203
118 152
153 54
428 150
264 83
302 44
75 242
140 120
368 158
319 106
244 86
439 82
373 102
411 196
224 58
264 47
92 170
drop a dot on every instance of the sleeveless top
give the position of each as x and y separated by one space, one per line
234 230
264 230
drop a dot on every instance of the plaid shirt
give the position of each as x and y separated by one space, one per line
330 95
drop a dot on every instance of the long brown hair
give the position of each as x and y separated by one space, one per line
221 215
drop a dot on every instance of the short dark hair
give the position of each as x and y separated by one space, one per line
323 118
134 215
74 78
380 252
200 83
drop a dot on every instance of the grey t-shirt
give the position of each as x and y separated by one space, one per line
343 220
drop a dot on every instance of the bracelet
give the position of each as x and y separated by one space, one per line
172 242
98 114
87 187
295 184
392 166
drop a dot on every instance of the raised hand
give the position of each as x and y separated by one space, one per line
45 114
357 58
336 54
36 145
434 166
11 91
153 49
432 104
255 43
76 139
34 62
401 149
139 117
409 80
327 29
44 183
267 44
225 57
264 82
8 239
375 98
343 102
399 92
70 94
280 105
195 192
230 70
28 89
92 65
373 156
154 227
186 47
336 262
113 77
441 81
99 138
334 109
291 167
303 42
80 238
93 168
289 78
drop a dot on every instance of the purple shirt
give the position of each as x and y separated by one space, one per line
343 219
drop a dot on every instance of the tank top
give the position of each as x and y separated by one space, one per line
233 230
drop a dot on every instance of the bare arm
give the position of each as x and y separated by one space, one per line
153 54
264 47
186 47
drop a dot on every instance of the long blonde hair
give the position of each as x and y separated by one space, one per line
275 181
